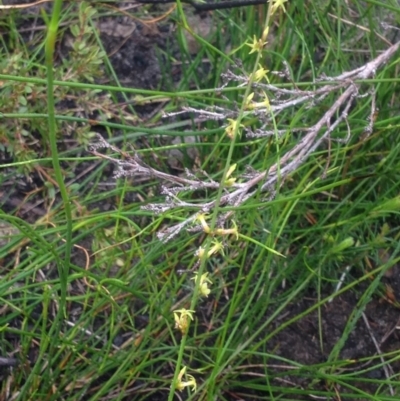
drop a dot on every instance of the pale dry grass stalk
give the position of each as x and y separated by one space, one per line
254 181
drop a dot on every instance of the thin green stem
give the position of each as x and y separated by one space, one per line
63 268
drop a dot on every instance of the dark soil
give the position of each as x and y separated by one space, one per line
300 342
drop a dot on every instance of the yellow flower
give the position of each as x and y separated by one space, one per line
228 231
217 247
190 382
230 181
249 99
182 319
278 4
232 127
203 285
260 74
257 45
264 104
201 218
200 253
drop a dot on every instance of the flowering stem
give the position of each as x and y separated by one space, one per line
197 284
228 163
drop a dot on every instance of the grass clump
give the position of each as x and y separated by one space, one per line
222 226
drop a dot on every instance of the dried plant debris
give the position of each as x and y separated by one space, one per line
234 192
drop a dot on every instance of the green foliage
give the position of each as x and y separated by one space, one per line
23 133
280 290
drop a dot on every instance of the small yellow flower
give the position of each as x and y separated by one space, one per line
230 181
200 253
201 218
249 99
232 127
264 104
203 285
190 382
257 45
260 74
182 318
217 247
228 231
278 4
